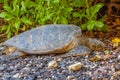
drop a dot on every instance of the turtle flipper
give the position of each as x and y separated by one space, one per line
14 55
77 51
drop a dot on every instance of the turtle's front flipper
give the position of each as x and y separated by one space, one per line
13 55
77 51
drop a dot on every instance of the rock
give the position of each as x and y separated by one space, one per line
95 58
12 67
105 57
2 68
52 64
6 76
105 79
76 66
58 59
30 77
116 74
28 65
118 57
17 75
70 78
117 67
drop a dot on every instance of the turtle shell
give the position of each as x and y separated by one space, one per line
47 39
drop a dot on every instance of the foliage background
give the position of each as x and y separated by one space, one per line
21 15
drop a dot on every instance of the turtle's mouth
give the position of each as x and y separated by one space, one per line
98 47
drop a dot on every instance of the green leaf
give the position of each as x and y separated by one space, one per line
83 26
23 8
15 2
15 10
90 25
76 14
63 20
87 13
25 20
3 14
56 19
30 3
1 1
6 16
8 8
17 23
8 29
77 3
9 34
95 9
5 2
99 24
69 9
56 1
4 27
48 16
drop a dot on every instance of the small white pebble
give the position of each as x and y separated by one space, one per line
28 65
58 59
119 57
17 75
70 78
76 66
26 68
52 64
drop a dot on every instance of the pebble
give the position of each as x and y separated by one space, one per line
70 78
95 58
17 75
119 57
52 64
30 77
76 66
36 68
117 67
2 68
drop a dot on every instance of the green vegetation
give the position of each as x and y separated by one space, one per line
24 14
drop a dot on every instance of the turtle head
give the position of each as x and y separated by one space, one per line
6 49
95 44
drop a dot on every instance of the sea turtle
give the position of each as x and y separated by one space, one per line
49 39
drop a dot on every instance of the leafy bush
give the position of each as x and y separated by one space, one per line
16 14
24 14
54 11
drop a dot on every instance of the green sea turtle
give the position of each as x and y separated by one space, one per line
49 39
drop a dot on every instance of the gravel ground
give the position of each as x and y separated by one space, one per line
35 67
